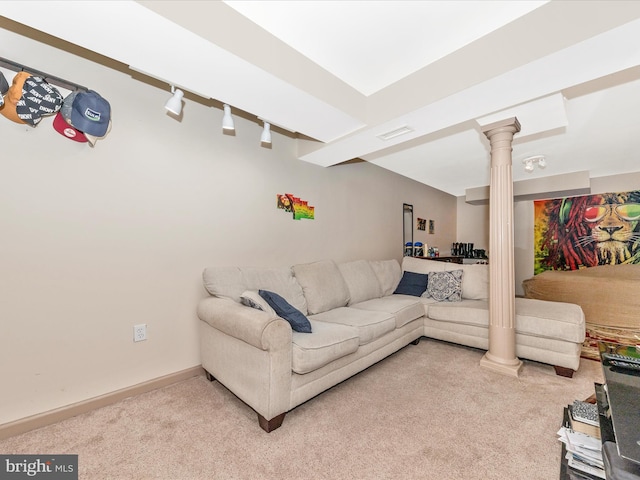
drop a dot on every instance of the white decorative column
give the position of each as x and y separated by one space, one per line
501 356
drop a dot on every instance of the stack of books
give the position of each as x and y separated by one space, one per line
581 436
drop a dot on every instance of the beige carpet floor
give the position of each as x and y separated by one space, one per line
427 412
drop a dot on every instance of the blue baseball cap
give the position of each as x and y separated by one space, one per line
90 113
4 88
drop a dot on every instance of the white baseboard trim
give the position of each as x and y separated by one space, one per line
53 416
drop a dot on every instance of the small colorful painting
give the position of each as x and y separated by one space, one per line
422 224
294 205
586 231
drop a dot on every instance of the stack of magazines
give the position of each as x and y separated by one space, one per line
584 452
584 447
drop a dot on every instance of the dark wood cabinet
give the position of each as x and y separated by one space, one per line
445 259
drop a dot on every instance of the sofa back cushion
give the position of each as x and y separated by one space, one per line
224 282
475 280
232 282
388 273
323 286
418 265
361 281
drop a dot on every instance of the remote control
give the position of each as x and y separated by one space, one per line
622 361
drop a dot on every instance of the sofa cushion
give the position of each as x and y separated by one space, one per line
323 285
361 281
541 318
426 302
388 273
475 280
369 324
224 282
231 282
327 343
419 265
284 309
251 298
276 279
412 283
445 286
404 308
469 312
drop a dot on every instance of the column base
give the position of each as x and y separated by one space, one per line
510 368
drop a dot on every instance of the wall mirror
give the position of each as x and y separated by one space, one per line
407 229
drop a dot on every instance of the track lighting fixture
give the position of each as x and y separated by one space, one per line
227 119
174 104
531 162
266 133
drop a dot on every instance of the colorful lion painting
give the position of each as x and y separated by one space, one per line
586 231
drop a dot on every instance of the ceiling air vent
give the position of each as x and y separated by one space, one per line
395 133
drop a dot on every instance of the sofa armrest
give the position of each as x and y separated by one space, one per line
255 327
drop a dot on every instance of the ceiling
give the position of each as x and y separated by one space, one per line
340 74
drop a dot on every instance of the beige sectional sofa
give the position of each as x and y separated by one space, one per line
356 321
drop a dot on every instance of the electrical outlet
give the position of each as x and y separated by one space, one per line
140 332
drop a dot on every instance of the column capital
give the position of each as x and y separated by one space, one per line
511 125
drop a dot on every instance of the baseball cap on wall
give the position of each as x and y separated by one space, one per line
62 121
61 126
13 96
90 113
92 139
39 99
4 88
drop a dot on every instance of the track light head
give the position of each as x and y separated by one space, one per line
528 166
227 119
174 104
531 162
266 133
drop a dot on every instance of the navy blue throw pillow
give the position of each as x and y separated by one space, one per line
284 309
412 284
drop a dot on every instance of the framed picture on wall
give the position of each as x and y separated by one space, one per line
432 226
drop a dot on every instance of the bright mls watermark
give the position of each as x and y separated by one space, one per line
46 467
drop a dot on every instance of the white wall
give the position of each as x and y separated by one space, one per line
97 240
616 183
473 222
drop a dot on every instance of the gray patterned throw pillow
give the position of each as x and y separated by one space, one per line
251 298
445 286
